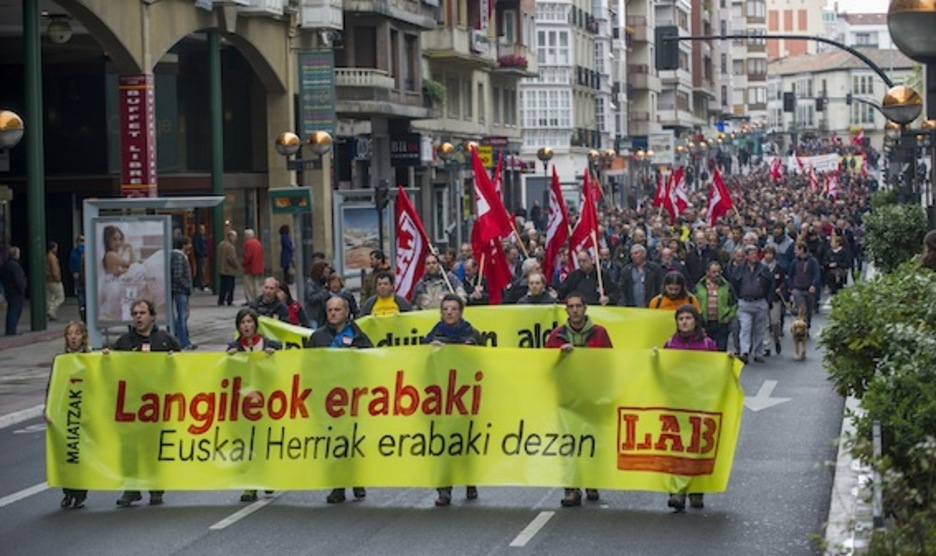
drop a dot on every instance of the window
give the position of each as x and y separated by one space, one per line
724 64
861 114
552 48
452 96
496 101
481 104
600 57
756 8
440 206
545 108
862 85
509 29
723 26
510 107
737 67
757 66
864 39
600 114
724 95
467 100
757 95
804 88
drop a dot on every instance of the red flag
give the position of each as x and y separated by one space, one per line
584 236
677 197
498 173
662 191
799 162
859 137
831 185
489 202
557 228
775 170
719 202
493 262
813 181
412 245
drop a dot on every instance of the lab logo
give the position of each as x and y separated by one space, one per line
665 440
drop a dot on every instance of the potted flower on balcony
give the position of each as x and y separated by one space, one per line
513 61
433 91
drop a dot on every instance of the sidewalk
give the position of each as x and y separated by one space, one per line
26 359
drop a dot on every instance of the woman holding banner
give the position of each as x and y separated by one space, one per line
689 335
453 329
248 340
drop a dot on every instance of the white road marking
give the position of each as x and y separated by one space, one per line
25 493
533 528
241 514
20 416
38 427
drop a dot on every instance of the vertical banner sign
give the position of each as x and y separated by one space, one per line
137 135
316 92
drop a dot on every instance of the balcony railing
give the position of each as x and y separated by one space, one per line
264 7
363 77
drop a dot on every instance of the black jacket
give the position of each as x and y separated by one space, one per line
13 277
158 340
587 285
697 262
653 283
273 310
325 335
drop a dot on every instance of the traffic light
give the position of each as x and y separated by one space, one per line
848 99
382 195
821 104
667 51
789 102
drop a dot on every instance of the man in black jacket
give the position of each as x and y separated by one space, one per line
145 336
641 280
536 291
585 280
268 304
340 331
700 254
13 281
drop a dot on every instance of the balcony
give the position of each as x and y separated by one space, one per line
676 77
259 8
468 47
364 92
670 115
515 59
640 76
755 77
637 26
321 14
754 47
413 12
634 116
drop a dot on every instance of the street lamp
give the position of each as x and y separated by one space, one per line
447 152
545 154
11 129
902 104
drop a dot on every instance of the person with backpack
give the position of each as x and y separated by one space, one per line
674 293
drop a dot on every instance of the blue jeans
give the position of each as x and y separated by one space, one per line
14 310
180 304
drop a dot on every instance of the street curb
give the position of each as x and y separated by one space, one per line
17 417
849 526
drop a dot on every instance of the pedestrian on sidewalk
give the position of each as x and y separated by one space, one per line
181 274
13 280
76 341
76 267
287 250
145 336
55 291
227 267
200 250
253 265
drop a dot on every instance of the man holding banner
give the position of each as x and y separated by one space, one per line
578 331
340 332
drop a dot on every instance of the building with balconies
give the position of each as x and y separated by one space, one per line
643 83
477 55
704 105
675 102
852 29
749 61
821 84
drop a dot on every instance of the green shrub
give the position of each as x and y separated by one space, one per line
894 234
433 89
884 197
872 321
910 502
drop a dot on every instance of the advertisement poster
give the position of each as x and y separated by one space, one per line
130 256
360 236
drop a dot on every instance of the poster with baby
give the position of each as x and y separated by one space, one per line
130 255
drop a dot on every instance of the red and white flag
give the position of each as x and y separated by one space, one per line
799 163
491 224
813 181
412 245
776 169
557 228
719 201
677 197
585 235
662 191
831 184
858 139
498 173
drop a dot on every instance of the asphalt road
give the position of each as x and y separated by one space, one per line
777 499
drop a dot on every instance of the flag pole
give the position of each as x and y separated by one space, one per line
434 251
481 265
601 289
513 227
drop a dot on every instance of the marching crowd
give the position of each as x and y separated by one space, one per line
783 247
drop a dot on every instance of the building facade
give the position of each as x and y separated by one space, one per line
800 17
749 61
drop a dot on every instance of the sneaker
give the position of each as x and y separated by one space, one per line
249 496
592 494
471 493
573 497
360 493
336 497
156 499
744 359
778 348
695 500
677 502
445 497
129 497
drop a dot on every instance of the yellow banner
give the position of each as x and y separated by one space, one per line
525 326
409 416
